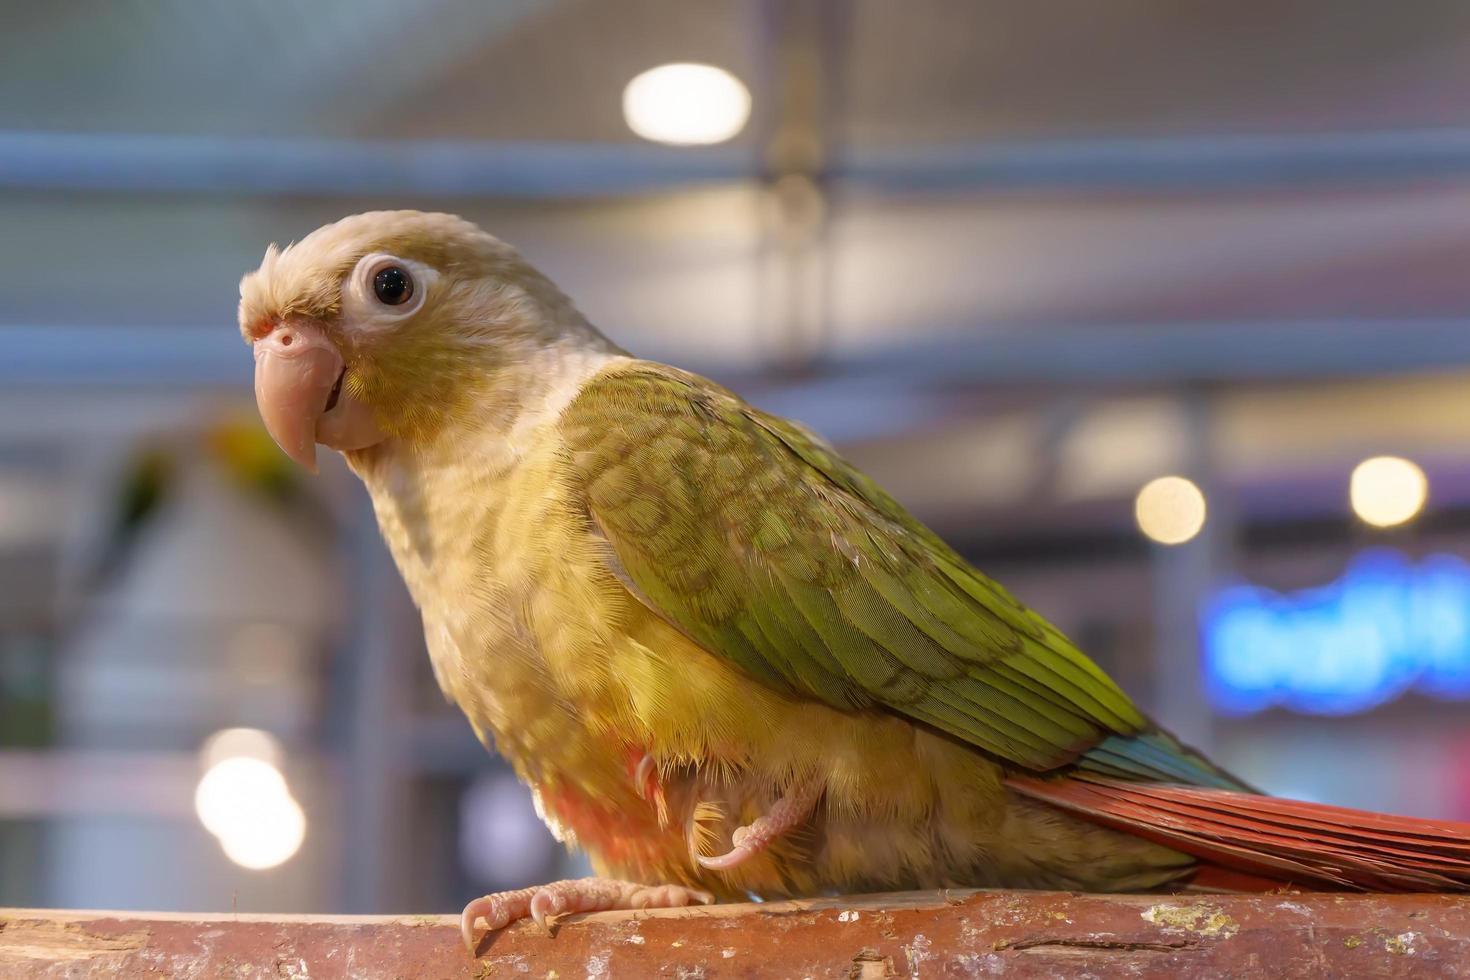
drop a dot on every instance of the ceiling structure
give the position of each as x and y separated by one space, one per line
918 73
1029 213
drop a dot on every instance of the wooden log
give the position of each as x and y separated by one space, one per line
928 934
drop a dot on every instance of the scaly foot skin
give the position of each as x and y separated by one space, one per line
786 813
570 897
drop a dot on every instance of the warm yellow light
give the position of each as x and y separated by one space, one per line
232 789
272 838
686 104
1170 510
246 804
1387 490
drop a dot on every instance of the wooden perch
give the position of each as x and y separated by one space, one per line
920 934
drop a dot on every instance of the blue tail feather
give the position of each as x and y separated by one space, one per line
1155 756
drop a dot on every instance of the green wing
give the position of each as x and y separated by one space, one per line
757 541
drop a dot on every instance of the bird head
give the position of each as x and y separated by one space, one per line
392 325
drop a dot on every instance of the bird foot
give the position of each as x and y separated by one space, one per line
748 841
545 902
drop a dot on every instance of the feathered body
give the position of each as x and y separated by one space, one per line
618 561
550 655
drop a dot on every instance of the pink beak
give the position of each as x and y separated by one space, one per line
298 375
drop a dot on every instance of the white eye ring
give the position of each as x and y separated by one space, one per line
360 293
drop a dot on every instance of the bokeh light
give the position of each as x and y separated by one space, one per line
1387 490
501 839
271 838
686 105
246 803
1170 510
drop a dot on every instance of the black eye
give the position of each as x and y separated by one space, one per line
393 285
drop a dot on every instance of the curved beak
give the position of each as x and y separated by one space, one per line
296 372
298 388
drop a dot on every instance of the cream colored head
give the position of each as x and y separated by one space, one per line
390 324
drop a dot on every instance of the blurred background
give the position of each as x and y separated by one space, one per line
1160 312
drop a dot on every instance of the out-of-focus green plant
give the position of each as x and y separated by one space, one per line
243 452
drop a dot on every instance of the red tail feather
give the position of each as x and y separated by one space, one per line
1286 841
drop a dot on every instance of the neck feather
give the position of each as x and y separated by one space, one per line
525 394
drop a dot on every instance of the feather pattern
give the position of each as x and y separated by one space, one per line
1305 843
761 544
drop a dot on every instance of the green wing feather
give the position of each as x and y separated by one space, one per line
760 543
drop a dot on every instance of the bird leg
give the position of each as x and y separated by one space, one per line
568 898
785 814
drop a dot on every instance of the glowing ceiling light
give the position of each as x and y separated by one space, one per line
246 803
1387 490
686 104
1170 510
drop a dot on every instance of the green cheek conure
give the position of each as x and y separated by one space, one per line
724 660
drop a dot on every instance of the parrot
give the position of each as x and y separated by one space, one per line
727 664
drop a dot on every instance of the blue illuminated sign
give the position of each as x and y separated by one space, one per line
1386 627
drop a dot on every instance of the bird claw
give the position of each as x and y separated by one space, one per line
731 859
642 773
648 787
546 903
546 906
748 841
492 908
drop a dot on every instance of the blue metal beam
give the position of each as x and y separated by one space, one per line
171 164
1245 350
65 356
1167 163
1166 353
